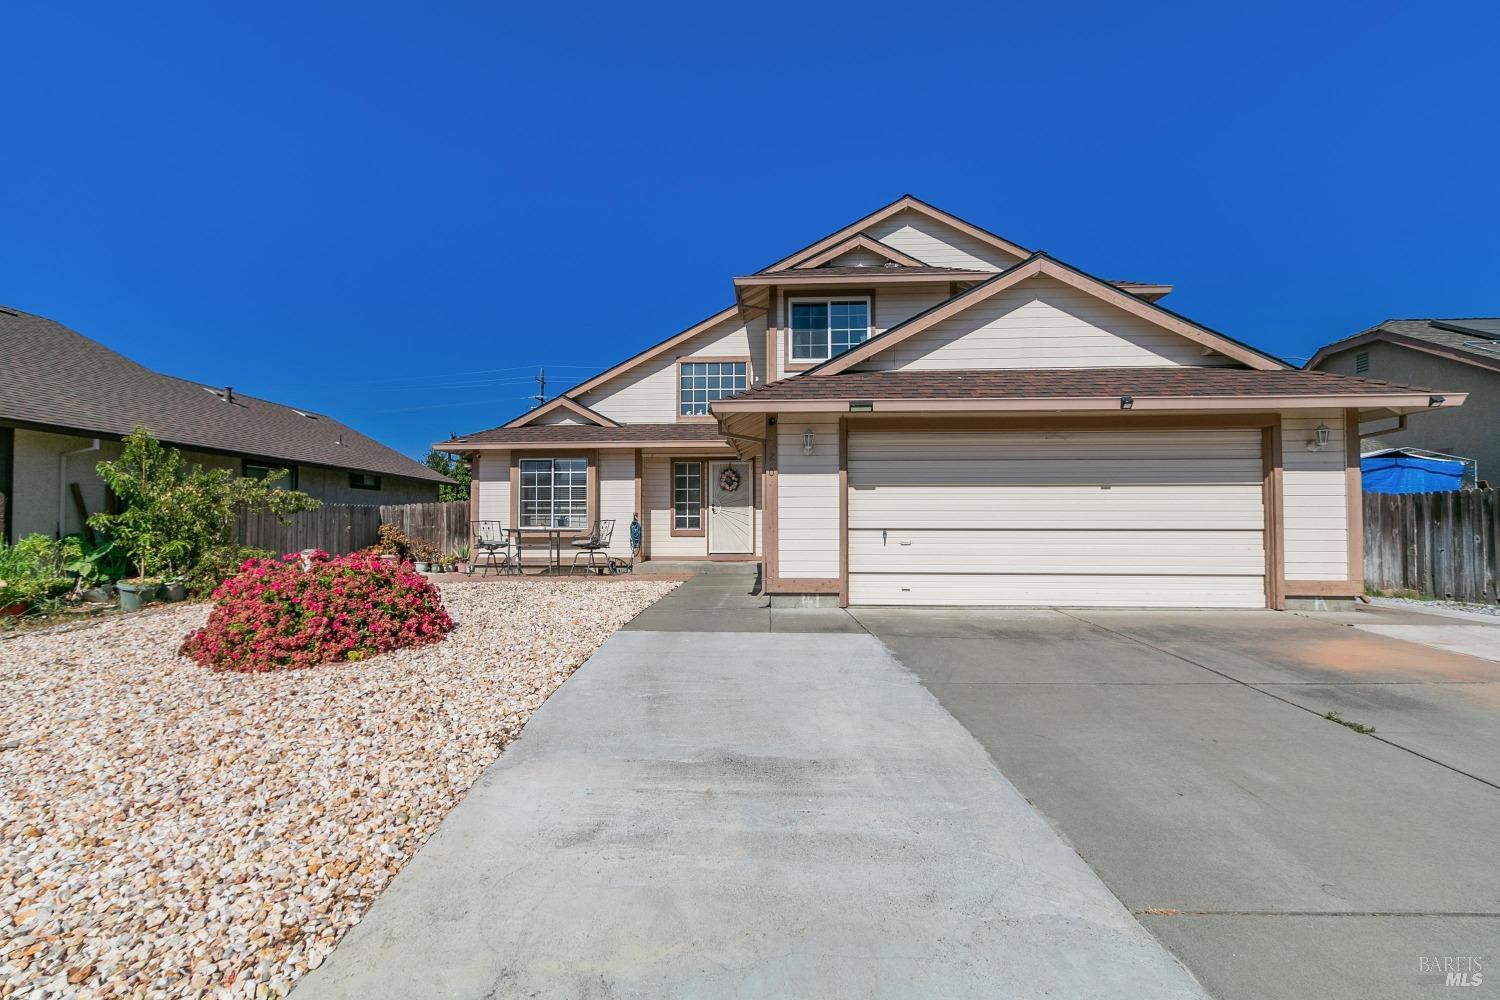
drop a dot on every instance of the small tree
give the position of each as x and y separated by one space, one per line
456 469
172 516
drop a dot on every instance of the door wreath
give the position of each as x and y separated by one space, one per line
729 480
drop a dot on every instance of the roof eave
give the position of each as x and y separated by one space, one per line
1051 404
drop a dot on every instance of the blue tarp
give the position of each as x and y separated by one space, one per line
1406 474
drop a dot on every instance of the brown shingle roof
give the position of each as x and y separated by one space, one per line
1041 383
686 433
870 271
56 377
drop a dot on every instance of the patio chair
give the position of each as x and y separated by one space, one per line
594 546
494 548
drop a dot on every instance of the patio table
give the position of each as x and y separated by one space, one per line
554 545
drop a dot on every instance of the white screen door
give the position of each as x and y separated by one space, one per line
730 508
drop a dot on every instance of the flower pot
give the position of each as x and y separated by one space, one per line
134 596
420 567
461 567
388 557
173 591
99 595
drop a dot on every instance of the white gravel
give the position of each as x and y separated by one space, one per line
1488 610
166 831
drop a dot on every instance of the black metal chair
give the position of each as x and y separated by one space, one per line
595 546
496 546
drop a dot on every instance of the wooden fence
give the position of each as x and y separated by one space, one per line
1439 544
340 528
444 526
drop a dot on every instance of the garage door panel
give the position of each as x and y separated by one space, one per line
944 471
1051 551
1157 518
1061 590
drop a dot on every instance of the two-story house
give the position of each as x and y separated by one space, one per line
915 411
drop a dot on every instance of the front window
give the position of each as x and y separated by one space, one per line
702 382
825 328
687 496
554 492
363 481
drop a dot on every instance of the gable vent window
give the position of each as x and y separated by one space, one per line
1361 362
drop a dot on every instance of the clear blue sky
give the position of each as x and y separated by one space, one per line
356 207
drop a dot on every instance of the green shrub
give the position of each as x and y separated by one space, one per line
31 572
219 564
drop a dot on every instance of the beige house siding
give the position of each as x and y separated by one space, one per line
807 499
938 244
617 496
1314 501
648 394
492 481
1041 323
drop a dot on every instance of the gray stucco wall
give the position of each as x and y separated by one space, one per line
34 487
1471 430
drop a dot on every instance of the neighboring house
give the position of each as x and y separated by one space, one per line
913 410
65 401
1460 354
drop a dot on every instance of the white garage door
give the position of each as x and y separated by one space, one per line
1142 518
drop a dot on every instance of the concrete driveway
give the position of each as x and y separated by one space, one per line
1185 756
698 815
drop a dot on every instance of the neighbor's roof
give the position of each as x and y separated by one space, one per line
589 435
55 377
1048 388
1474 340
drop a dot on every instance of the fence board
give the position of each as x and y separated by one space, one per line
1440 544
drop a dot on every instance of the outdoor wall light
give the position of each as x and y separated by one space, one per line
1434 400
861 406
1126 402
1319 438
807 442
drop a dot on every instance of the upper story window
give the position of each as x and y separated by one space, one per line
701 382
363 481
826 328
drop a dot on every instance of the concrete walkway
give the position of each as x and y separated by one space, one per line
695 815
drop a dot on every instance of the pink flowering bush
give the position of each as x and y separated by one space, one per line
275 615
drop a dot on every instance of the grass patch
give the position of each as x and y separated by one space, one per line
1358 727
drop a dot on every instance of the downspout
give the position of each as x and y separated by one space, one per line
62 483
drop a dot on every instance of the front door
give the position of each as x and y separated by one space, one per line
730 508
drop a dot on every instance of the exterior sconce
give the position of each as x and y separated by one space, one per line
861 406
807 442
1126 402
1434 400
1319 439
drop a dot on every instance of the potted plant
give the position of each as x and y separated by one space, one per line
94 567
393 545
460 559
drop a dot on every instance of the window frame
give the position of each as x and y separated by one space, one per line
702 529
591 486
267 467
689 359
369 476
791 364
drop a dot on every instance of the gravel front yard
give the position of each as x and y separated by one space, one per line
168 831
